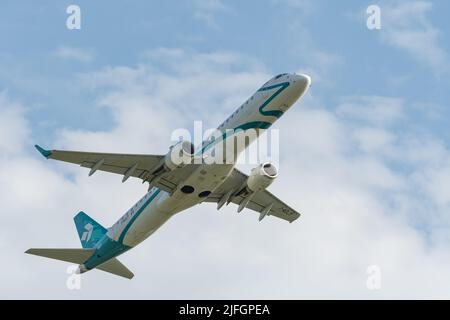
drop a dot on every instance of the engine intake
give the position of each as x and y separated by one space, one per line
262 176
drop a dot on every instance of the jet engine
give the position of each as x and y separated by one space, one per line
262 176
179 155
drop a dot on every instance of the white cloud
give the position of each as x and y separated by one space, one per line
72 53
377 110
13 126
145 99
319 64
359 207
406 25
207 10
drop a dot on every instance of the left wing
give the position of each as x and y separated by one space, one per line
141 166
263 202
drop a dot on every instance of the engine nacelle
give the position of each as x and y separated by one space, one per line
262 176
179 155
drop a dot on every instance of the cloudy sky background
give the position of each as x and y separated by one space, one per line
364 155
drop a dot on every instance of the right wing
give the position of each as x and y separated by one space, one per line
259 201
128 165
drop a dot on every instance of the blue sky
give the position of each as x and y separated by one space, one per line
283 35
365 154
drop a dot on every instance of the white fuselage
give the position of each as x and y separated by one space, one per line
260 111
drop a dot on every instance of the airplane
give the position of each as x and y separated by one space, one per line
175 186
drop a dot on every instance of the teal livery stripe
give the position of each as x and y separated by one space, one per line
106 249
137 214
275 113
256 124
245 126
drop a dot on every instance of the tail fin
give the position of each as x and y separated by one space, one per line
89 230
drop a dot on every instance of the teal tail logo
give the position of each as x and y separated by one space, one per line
89 230
88 233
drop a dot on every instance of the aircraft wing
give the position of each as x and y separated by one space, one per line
142 166
263 202
128 165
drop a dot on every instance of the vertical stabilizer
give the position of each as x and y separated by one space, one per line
89 230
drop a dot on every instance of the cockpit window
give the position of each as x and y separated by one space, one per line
280 75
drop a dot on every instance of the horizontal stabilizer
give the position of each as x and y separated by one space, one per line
70 255
114 266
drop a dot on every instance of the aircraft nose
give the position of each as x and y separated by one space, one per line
299 84
302 82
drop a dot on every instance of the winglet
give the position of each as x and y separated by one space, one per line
45 153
